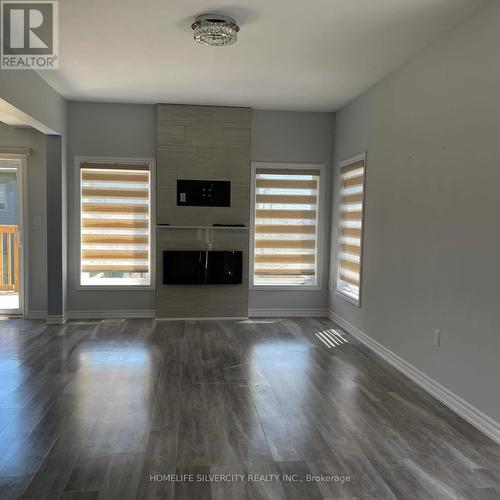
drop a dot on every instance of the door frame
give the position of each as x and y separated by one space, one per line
23 211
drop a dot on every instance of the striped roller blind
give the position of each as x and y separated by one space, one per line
352 176
115 223
286 225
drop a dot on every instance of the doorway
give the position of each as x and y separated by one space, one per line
12 269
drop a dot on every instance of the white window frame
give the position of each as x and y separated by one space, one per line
3 186
320 223
339 293
23 203
152 224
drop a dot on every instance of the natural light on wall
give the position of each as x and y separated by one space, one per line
286 225
352 178
115 224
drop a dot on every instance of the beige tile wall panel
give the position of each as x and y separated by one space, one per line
202 143
180 301
205 143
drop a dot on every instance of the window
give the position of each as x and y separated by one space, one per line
115 224
286 225
352 179
3 196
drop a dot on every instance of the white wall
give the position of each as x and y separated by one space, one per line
29 93
295 137
114 130
37 205
432 238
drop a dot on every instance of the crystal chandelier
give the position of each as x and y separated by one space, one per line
215 30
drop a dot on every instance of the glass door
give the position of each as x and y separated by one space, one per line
11 238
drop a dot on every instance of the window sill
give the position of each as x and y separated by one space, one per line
288 288
347 298
115 287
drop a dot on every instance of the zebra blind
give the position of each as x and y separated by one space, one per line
115 224
352 178
286 226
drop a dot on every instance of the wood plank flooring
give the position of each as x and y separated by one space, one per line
149 410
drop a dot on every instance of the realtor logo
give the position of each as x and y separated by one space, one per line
29 35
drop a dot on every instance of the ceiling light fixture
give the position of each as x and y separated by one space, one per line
215 30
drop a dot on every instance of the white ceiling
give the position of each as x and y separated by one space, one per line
291 54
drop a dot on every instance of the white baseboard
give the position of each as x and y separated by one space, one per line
36 315
56 319
111 314
288 313
477 418
222 318
106 314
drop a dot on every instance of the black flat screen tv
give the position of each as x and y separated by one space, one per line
193 267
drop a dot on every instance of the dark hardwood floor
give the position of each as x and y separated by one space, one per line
108 410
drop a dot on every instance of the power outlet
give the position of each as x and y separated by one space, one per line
437 337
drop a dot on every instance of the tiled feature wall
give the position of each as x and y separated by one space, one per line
202 143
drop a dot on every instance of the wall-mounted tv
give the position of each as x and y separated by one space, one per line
193 267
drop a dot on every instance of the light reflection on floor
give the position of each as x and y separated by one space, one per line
286 363
106 356
332 338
